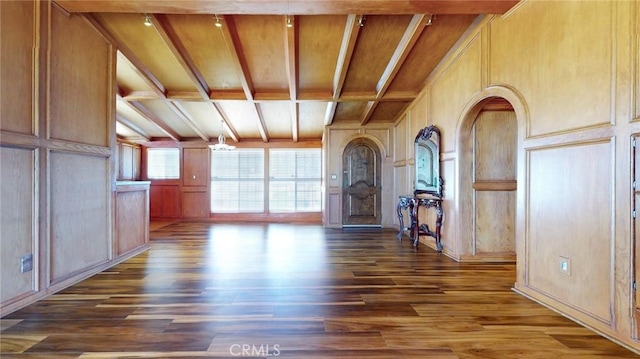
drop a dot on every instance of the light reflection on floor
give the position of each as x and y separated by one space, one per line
274 251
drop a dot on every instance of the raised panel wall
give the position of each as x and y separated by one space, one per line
132 217
571 59
80 106
18 224
195 171
451 91
80 218
569 215
17 25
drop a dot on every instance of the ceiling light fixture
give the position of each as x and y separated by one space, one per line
218 22
222 145
361 20
429 20
147 20
289 21
222 142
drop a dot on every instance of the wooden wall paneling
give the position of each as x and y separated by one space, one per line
335 214
80 82
400 140
495 141
399 182
118 161
127 163
18 37
195 169
196 203
18 221
566 221
384 135
418 116
635 16
450 92
494 222
527 68
449 234
132 217
165 201
137 162
80 213
636 230
495 146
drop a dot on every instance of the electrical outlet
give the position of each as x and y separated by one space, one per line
565 265
26 263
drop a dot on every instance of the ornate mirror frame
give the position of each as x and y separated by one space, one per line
427 162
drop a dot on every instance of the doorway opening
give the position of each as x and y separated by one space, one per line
361 191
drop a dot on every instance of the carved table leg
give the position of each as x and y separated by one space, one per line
399 208
415 231
439 214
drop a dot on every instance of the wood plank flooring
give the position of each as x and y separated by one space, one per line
294 291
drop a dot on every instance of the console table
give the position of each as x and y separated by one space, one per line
413 204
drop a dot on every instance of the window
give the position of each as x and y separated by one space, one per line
237 181
295 180
163 163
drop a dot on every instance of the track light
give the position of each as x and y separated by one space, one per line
289 21
429 20
218 22
147 20
361 20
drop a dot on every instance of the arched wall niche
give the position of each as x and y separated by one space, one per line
493 97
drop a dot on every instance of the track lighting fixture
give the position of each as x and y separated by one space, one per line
429 20
218 22
147 20
361 20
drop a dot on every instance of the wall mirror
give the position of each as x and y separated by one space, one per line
427 162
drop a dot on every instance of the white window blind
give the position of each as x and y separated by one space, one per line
163 163
295 180
237 181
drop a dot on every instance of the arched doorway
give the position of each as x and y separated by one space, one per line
361 191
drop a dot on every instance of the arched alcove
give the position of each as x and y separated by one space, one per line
489 169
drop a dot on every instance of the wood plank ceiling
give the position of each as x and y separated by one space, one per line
206 67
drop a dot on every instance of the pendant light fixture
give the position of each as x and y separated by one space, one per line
222 142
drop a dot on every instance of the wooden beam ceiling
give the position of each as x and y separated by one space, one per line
297 7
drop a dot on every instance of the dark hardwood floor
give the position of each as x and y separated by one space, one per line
294 291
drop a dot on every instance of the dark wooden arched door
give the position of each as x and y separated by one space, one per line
361 184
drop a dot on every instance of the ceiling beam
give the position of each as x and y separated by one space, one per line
170 39
368 111
230 36
405 45
299 7
231 39
330 112
132 126
262 127
294 121
231 131
146 113
186 117
407 42
143 72
349 38
291 55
